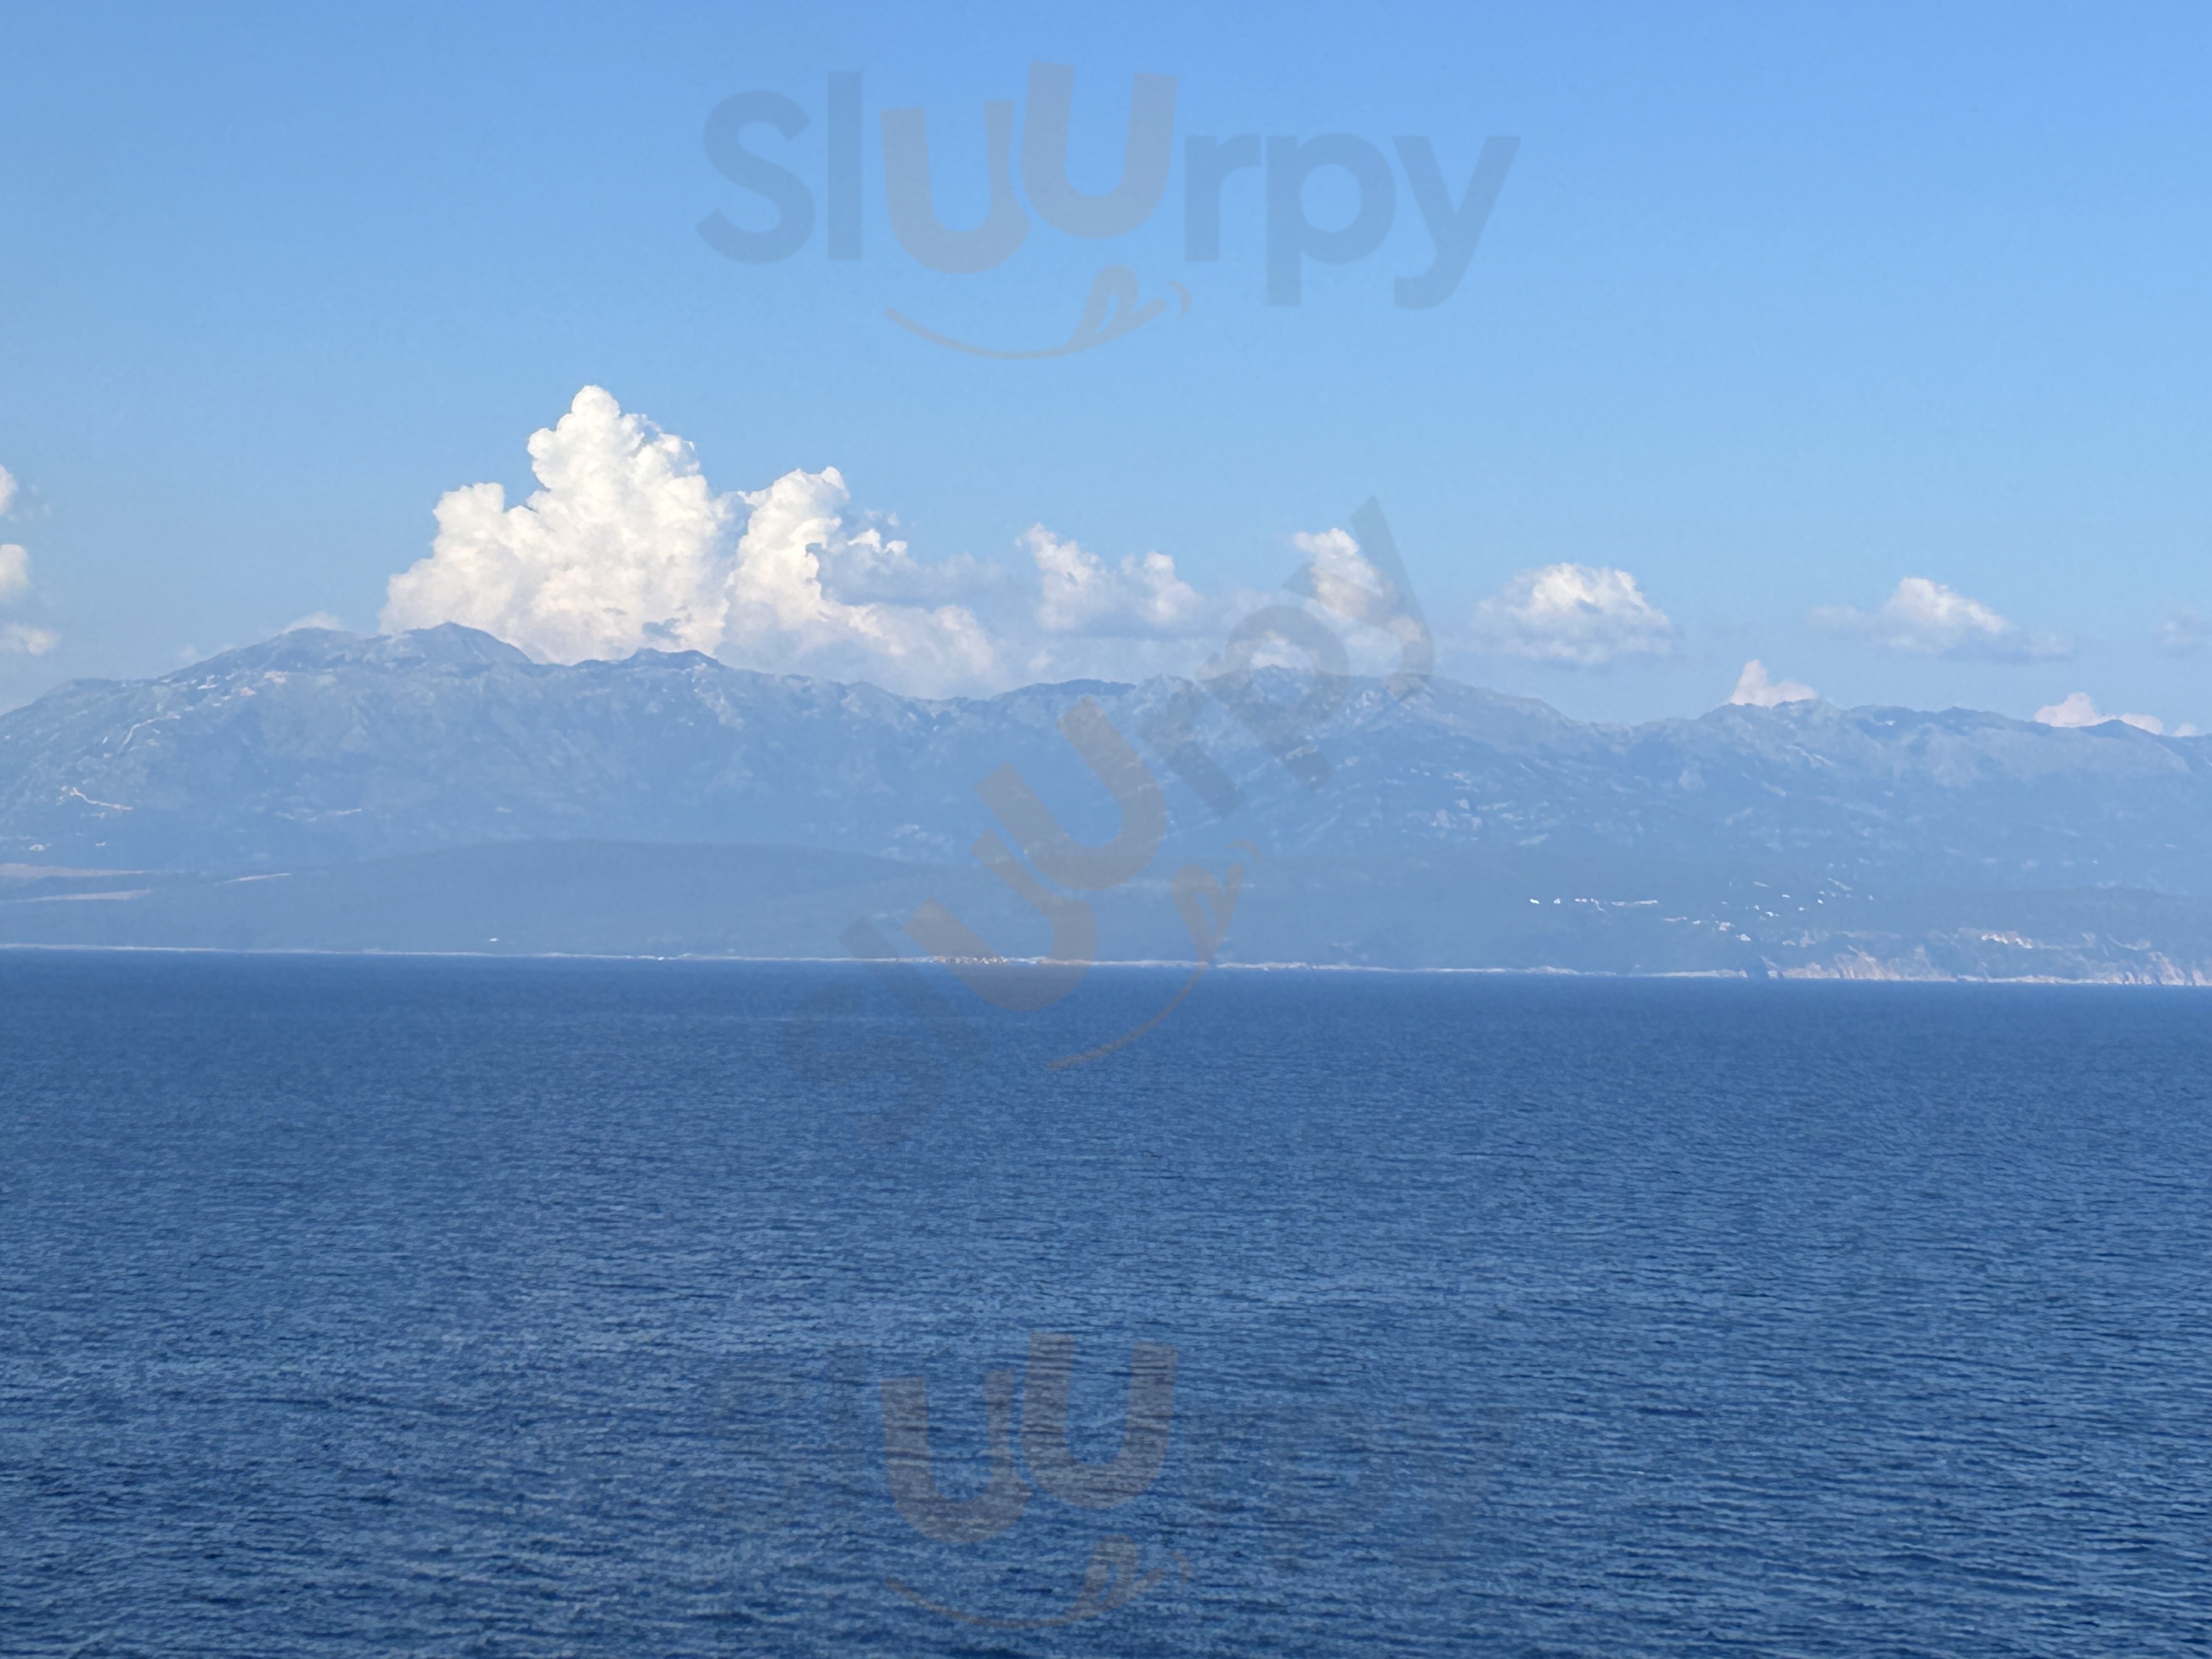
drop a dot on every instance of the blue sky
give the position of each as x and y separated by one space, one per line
1776 309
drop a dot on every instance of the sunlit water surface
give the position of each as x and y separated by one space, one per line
444 1307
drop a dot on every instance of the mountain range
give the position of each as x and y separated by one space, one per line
441 790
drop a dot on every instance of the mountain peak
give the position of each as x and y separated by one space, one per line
325 747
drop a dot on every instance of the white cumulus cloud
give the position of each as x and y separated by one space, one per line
18 638
1080 592
625 546
1343 581
1756 689
2080 709
621 547
1923 619
1358 601
780 617
1579 614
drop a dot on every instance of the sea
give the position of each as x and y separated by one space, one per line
446 1306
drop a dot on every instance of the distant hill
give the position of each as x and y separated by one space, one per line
1510 910
439 790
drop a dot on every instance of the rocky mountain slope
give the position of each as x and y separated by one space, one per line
441 791
327 748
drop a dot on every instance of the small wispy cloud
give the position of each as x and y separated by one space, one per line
8 487
1923 619
2185 632
22 639
313 619
1756 689
1580 615
2080 709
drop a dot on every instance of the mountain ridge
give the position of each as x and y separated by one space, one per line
319 747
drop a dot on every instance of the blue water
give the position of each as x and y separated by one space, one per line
477 1308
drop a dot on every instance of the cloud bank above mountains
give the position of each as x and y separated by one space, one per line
625 545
